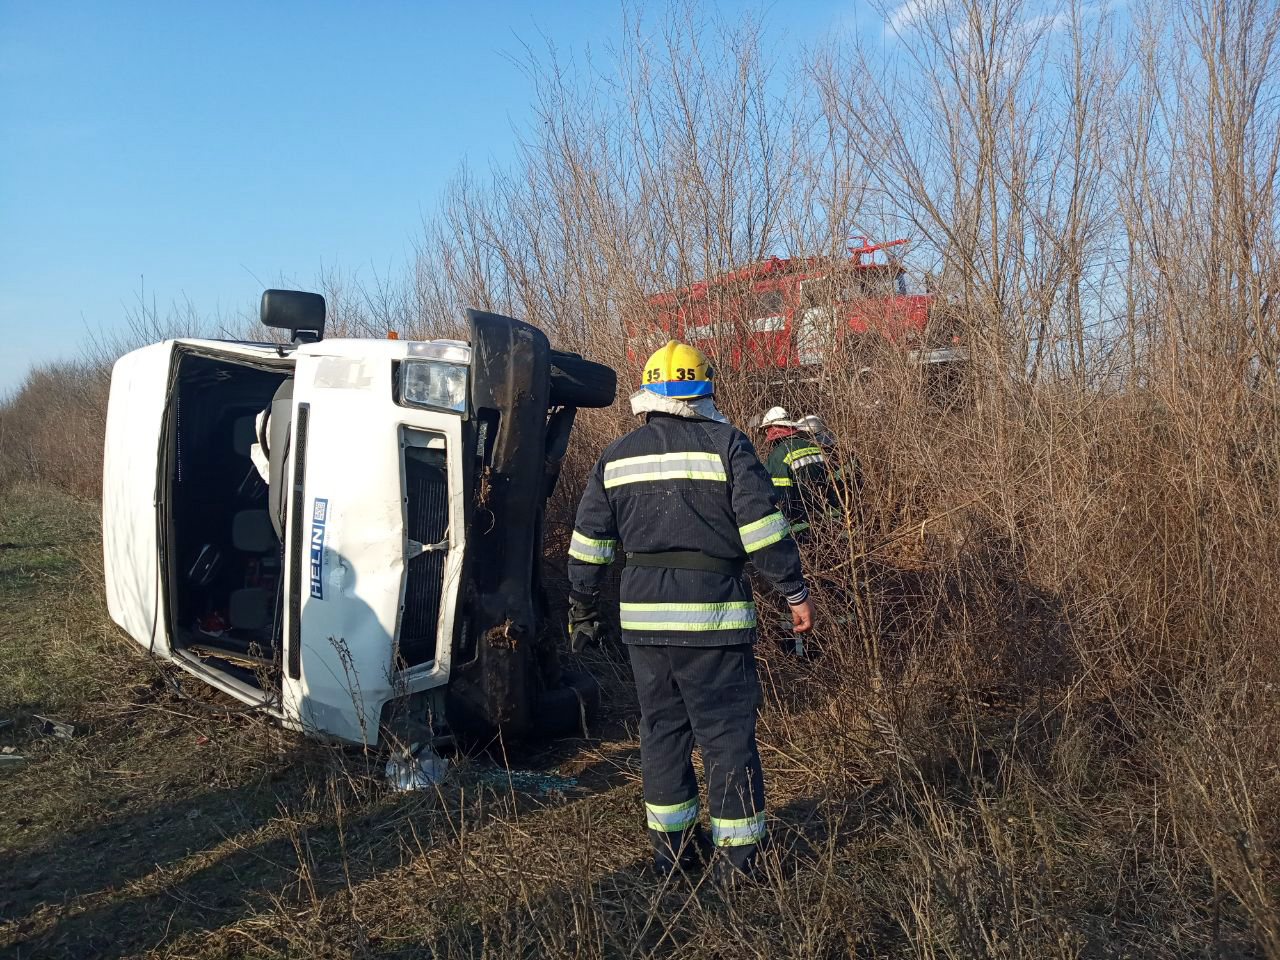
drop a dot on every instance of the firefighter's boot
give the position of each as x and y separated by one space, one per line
688 853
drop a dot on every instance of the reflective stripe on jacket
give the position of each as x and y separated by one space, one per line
801 474
690 484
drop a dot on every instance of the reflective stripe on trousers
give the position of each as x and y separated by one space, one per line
671 817
737 833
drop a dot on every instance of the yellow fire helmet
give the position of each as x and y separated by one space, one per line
679 371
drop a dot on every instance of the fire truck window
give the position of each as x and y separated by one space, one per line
767 303
881 282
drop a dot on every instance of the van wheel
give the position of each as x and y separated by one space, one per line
560 710
577 382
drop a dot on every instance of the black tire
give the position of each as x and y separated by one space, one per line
576 382
560 711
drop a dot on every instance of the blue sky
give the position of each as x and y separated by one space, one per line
207 150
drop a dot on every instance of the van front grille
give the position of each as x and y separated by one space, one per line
427 516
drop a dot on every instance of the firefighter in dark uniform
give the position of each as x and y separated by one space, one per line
799 469
687 499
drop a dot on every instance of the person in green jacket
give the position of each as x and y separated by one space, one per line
800 469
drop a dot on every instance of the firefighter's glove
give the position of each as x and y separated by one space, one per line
585 628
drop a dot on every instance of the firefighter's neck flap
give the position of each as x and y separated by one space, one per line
698 408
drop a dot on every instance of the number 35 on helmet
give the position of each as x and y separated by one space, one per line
679 371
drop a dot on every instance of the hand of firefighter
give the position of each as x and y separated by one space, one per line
585 628
801 617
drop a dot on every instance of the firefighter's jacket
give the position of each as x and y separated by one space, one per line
683 484
801 475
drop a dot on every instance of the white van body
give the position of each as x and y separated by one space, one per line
334 528
352 519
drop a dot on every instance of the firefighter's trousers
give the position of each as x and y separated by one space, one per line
707 694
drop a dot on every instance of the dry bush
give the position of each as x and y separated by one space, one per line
51 429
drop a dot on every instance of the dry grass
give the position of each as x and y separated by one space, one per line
954 802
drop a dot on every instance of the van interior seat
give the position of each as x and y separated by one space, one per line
278 432
250 608
251 532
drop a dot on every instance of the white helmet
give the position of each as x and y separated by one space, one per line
817 427
776 417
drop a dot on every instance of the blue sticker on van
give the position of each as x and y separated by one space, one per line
319 517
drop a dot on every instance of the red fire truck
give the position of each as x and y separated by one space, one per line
779 314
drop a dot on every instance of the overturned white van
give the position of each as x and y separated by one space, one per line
348 533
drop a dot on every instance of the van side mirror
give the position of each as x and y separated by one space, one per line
296 311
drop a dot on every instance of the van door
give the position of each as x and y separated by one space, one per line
131 463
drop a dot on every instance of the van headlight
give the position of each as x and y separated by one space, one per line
434 384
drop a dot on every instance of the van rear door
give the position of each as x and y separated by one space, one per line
130 485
